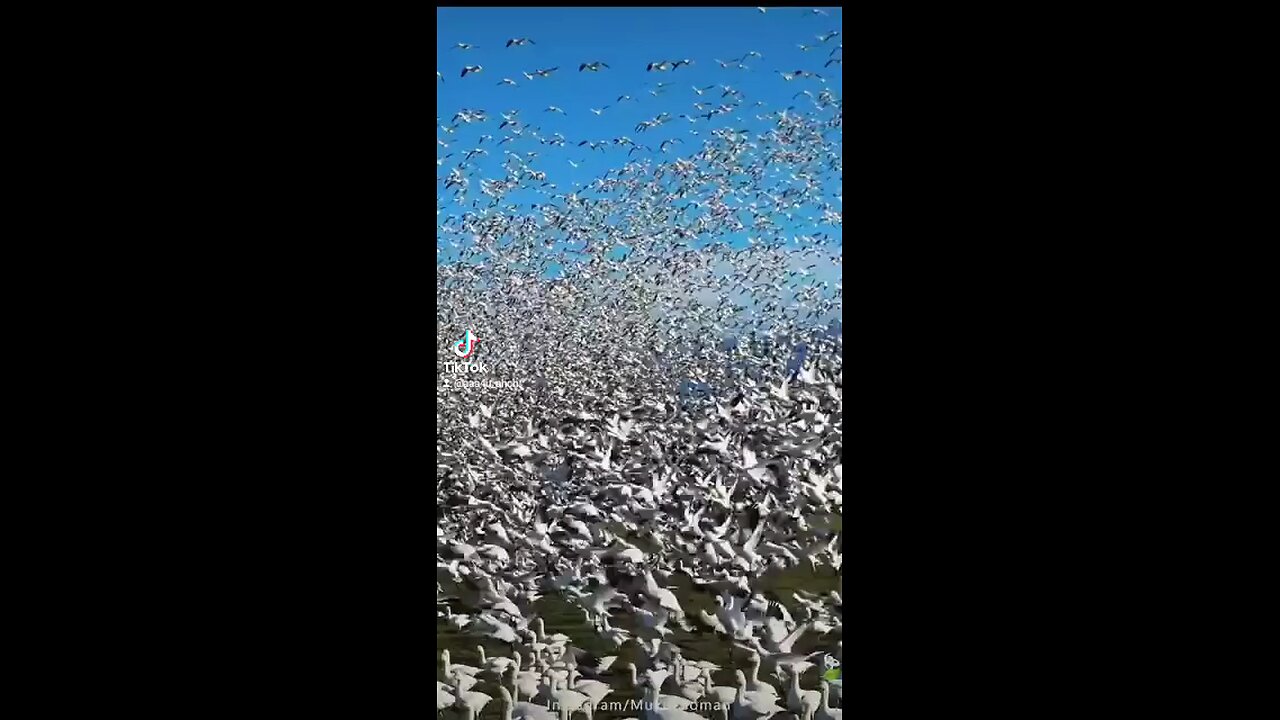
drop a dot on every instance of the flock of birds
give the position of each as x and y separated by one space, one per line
664 464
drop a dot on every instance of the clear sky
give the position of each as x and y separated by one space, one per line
627 39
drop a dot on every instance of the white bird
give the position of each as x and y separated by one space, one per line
825 711
472 701
512 710
444 698
801 702
749 705
450 668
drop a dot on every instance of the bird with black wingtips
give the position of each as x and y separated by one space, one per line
471 69
520 41
592 66
660 66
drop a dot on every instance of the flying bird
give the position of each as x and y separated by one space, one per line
507 81
545 73
553 108
470 69
660 66
440 75
464 46
520 41
828 36
593 66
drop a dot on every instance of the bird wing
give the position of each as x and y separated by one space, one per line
754 540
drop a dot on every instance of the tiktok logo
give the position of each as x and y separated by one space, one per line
466 347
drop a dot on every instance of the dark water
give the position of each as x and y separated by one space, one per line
702 644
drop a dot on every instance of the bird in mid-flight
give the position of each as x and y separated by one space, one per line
592 66
520 41
470 69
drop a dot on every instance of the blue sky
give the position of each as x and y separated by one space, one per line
627 39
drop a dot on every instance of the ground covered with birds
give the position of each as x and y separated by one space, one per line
639 423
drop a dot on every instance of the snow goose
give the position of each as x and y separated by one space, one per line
444 698
825 711
801 702
722 695
514 710
472 701
450 669
496 665
570 701
593 689
754 684
751 705
542 633
524 683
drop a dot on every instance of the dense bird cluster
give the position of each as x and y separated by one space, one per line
643 417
